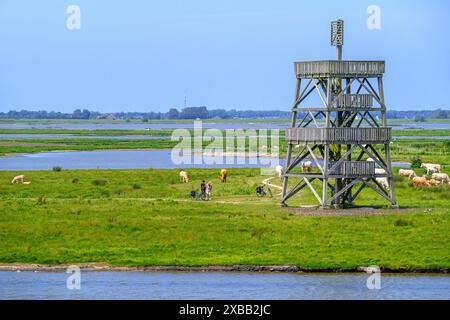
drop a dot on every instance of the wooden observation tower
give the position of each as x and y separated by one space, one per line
344 135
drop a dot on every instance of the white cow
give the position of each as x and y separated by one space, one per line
18 179
431 167
440 177
383 181
407 173
279 171
184 177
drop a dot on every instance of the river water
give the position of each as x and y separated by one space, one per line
216 285
127 159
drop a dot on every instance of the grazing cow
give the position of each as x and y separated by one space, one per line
440 177
18 179
184 177
223 175
279 171
420 182
431 167
383 182
407 173
306 166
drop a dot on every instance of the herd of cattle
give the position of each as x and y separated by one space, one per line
432 169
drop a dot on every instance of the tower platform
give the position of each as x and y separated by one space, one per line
339 69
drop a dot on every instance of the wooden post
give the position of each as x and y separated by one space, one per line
326 159
387 147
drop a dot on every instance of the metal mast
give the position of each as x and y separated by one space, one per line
340 135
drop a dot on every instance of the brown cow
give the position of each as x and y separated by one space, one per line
420 182
223 175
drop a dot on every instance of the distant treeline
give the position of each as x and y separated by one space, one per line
199 113
172 114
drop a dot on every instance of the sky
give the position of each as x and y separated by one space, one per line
141 55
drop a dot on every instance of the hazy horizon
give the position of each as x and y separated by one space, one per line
145 56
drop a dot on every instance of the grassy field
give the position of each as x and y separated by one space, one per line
85 132
145 218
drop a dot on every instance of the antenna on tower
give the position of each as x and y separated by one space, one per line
337 36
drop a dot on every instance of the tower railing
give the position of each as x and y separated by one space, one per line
355 169
308 69
354 101
339 135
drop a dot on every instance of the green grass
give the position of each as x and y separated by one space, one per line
403 121
63 217
421 132
85 132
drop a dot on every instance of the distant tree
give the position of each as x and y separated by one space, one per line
441 114
194 113
76 114
218 113
419 118
173 114
85 114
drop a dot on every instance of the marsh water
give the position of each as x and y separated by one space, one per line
37 136
189 125
216 285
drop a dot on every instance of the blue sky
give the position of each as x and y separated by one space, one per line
147 55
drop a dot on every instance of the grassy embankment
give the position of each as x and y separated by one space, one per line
86 132
145 218
168 132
